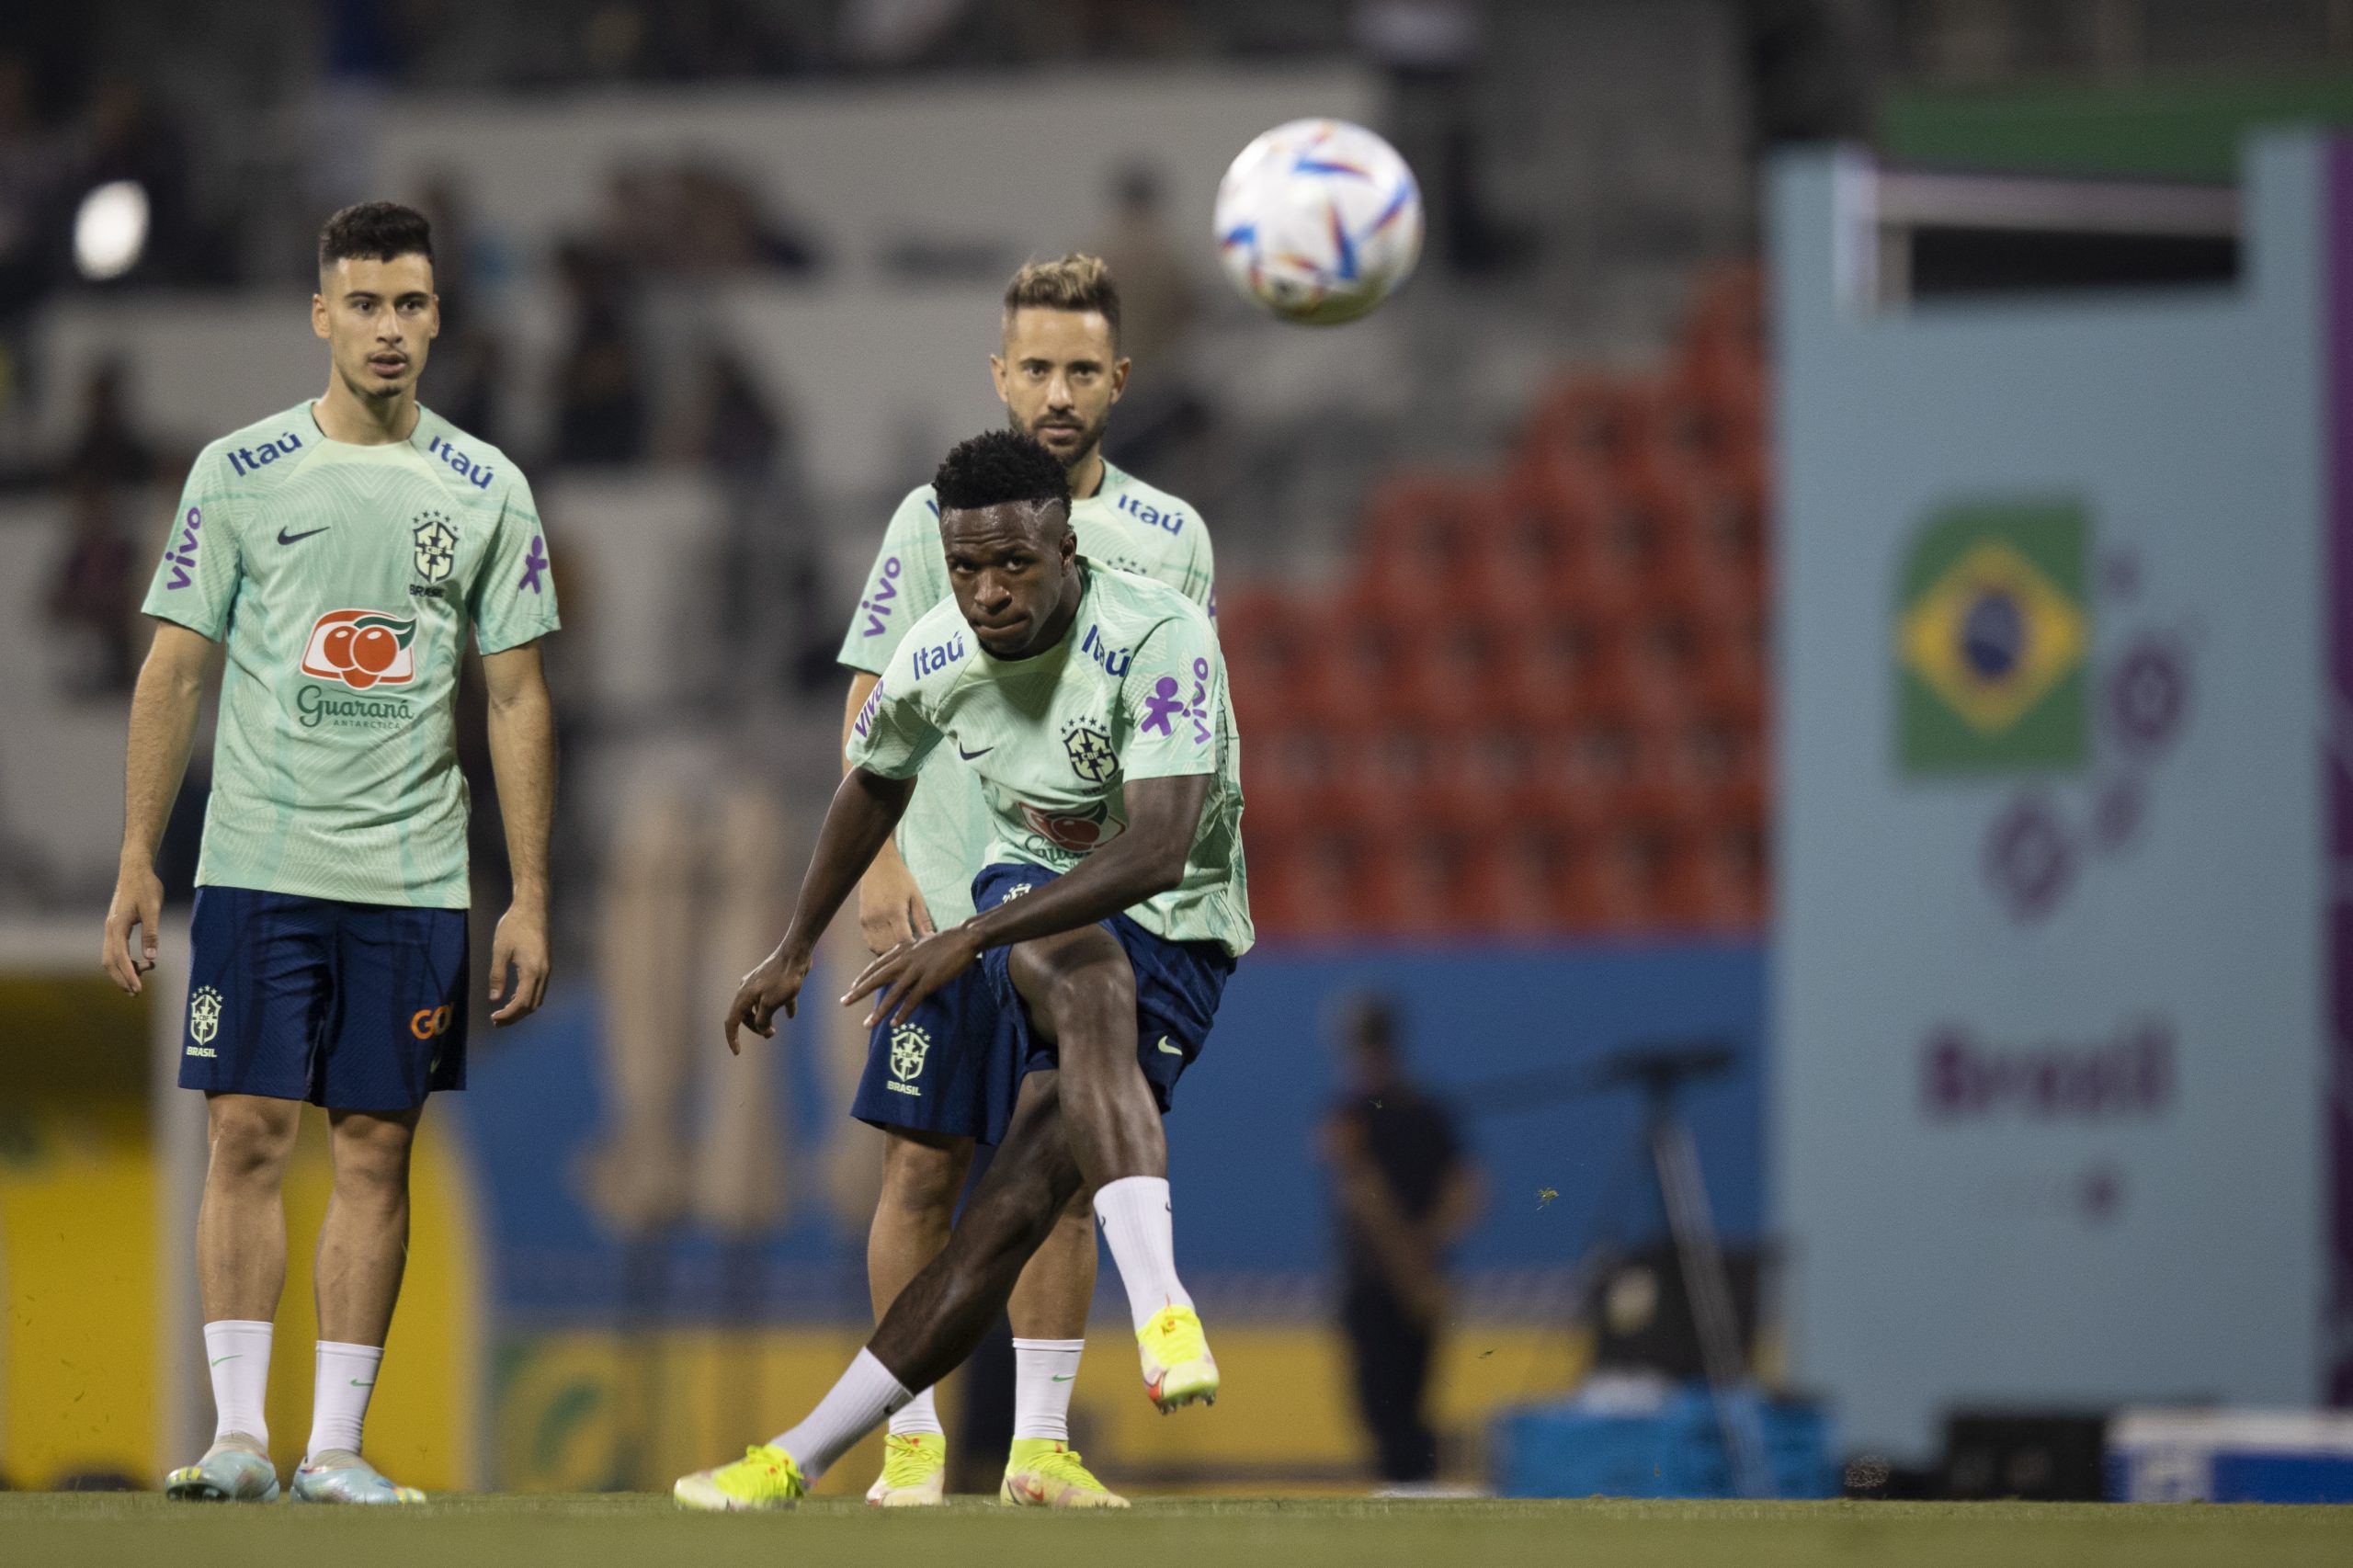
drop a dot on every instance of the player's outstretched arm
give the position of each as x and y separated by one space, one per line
163 725
1143 862
865 808
522 760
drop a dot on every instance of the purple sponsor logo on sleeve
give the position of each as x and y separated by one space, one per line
879 604
865 721
182 553
533 564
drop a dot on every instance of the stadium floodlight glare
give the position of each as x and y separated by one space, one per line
111 231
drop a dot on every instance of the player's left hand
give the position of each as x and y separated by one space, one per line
520 943
911 971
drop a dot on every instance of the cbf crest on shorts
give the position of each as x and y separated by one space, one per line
909 1043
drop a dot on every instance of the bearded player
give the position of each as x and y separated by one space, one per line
342 551
934 1083
1092 704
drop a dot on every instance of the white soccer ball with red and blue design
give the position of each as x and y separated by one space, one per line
1319 220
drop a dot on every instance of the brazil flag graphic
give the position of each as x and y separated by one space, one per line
1991 637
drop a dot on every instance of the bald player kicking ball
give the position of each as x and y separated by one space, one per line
1092 704
935 1081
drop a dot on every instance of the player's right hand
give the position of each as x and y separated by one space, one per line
138 901
890 911
767 989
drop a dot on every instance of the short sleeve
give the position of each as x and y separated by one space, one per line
1201 570
196 582
514 593
909 576
891 734
1170 697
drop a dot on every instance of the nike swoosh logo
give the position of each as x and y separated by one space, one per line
1167 1047
969 755
368 1384
218 1360
1064 1377
285 538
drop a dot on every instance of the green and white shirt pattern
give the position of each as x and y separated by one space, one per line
343 580
1125 524
1135 689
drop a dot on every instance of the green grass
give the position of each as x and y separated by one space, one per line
592 1531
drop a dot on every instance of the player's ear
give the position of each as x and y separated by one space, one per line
996 376
319 315
1119 377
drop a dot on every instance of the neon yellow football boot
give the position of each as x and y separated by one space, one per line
914 1472
1177 1366
766 1477
1044 1473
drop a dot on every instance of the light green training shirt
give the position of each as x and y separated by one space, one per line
343 580
1125 524
1135 689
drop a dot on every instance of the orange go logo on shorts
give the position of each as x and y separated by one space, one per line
429 1022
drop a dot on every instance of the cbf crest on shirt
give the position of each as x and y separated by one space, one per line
344 580
1135 690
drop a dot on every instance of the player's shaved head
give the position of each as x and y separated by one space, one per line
1012 555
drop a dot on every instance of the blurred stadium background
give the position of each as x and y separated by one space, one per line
1592 645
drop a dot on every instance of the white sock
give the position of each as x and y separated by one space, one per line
1045 1371
865 1394
1139 1224
919 1415
339 1399
237 1351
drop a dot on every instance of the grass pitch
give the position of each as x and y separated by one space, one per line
593 1531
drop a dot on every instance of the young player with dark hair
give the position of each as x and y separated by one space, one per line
930 1083
342 551
1092 706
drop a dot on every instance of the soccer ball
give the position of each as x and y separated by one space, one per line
1318 220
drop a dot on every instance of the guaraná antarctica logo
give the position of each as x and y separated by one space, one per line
909 1043
2000 674
360 651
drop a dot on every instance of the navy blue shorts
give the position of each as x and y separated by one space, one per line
353 1007
1177 987
946 1068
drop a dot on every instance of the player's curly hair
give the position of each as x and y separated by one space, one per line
375 231
997 467
1075 282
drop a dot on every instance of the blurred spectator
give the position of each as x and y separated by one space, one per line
1157 303
90 600
108 452
601 380
464 383
1157 307
695 219
1408 1192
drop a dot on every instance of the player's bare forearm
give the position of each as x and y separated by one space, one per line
522 761
866 808
162 727
1143 862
